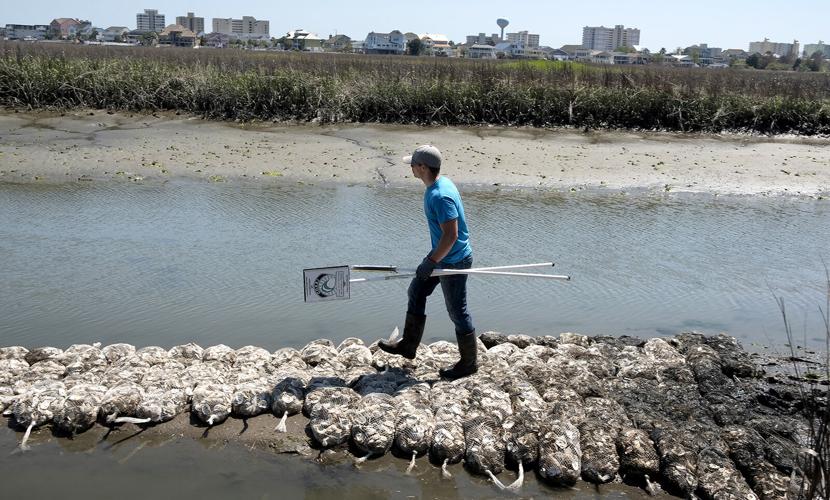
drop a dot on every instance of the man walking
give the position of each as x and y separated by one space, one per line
450 250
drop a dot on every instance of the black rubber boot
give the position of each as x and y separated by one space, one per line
468 364
413 330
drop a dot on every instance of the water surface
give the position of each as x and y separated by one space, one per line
177 262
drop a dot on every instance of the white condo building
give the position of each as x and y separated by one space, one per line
812 48
150 20
609 39
524 39
776 48
248 25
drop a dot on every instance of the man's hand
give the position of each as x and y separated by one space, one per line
424 271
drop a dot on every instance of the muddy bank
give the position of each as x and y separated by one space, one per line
686 415
95 146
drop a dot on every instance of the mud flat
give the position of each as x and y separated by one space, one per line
690 414
96 146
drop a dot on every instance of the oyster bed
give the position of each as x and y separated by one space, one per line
690 414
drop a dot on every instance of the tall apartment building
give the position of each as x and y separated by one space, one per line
812 48
524 39
776 48
608 39
194 24
150 20
245 26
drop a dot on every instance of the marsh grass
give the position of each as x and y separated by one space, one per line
237 85
814 458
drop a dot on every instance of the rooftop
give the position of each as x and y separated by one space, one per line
177 28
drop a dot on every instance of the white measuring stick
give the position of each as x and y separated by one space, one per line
494 268
333 283
382 278
445 272
517 266
395 269
448 272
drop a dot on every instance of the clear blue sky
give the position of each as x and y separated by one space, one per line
722 23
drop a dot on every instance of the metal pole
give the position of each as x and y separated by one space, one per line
494 268
395 269
449 272
445 272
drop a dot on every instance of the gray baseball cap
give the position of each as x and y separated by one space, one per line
425 155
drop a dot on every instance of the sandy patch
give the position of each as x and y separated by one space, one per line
95 146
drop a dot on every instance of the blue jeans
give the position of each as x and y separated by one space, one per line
454 288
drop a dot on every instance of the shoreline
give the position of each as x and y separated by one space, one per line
691 393
254 440
99 146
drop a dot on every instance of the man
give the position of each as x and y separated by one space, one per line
450 250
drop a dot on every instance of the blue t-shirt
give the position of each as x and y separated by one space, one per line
442 203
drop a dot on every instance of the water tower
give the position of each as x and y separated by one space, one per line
502 24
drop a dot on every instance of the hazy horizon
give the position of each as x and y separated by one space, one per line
719 24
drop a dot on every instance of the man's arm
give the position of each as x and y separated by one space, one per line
449 235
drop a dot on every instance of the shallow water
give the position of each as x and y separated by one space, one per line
176 262
140 468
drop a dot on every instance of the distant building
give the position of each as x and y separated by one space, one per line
247 27
775 48
338 43
630 57
737 54
577 52
191 22
135 36
217 40
609 39
26 31
64 27
303 40
556 54
482 39
393 42
704 55
176 35
681 60
812 48
602 57
87 29
481 51
510 50
114 34
504 50
605 57
437 44
150 20
524 39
